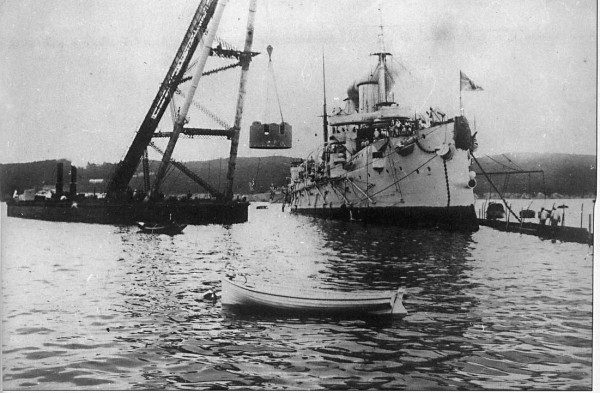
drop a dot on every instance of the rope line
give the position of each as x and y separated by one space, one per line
422 148
499 163
494 186
514 163
400 179
407 175
276 91
391 152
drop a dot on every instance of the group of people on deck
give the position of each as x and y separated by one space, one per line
553 215
393 129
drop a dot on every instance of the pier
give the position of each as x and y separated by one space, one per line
556 232
565 234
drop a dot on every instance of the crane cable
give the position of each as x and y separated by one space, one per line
272 74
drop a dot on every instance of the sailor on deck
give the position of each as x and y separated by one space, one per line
543 216
554 217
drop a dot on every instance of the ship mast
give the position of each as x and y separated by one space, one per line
382 54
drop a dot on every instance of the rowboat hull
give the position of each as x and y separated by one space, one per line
244 298
165 229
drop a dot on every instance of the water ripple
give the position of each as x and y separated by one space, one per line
124 310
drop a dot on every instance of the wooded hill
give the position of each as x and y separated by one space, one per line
565 174
40 174
569 175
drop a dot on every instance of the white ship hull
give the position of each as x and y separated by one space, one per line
425 183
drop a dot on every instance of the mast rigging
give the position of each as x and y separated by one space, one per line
325 131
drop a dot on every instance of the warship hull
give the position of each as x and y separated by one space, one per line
453 218
419 181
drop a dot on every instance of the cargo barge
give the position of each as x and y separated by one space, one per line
97 211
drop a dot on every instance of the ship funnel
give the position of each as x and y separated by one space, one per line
73 185
371 91
364 93
59 179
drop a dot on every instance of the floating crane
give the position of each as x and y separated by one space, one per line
125 207
201 32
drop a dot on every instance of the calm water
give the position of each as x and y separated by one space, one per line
102 307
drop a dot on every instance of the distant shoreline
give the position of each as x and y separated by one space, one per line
556 176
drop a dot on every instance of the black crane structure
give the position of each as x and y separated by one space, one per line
118 184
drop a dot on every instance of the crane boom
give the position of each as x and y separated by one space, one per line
235 136
182 115
126 168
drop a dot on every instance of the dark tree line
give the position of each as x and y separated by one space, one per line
565 174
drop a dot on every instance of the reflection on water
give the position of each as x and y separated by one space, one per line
99 307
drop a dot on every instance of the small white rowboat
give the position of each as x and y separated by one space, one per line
168 228
284 299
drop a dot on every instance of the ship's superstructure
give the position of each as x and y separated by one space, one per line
382 162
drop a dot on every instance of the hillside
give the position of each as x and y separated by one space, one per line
264 171
564 174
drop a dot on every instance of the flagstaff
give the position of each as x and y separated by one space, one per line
466 84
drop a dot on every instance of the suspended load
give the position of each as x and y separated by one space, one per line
270 136
266 135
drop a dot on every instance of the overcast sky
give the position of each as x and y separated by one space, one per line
77 77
